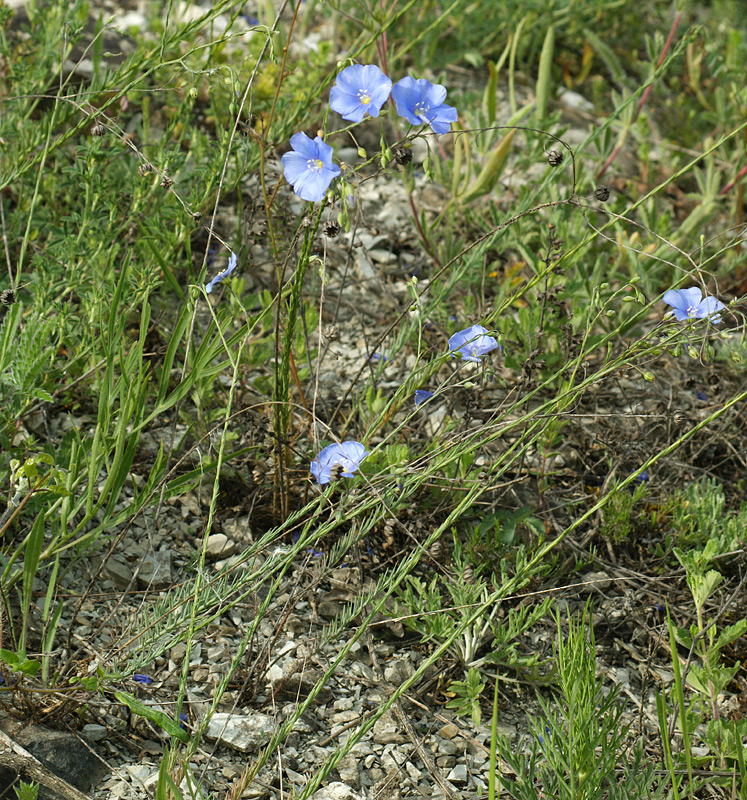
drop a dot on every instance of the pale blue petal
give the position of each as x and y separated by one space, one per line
295 166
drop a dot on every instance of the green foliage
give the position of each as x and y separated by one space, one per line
443 605
622 512
579 750
26 791
468 693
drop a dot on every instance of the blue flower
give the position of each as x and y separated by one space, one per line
347 455
420 101
690 304
642 478
308 167
422 396
146 680
472 343
359 90
221 276
183 720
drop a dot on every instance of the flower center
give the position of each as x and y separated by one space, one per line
364 98
315 165
421 110
692 311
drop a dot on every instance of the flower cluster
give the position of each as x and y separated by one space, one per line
361 91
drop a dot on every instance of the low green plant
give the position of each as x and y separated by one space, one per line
439 607
468 693
579 748
619 515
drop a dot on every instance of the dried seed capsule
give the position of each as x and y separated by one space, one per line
166 182
7 297
679 418
555 158
602 193
331 229
144 169
402 156
98 129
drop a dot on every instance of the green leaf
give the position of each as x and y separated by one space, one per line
153 715
731 633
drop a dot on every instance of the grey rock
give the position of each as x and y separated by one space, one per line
244 732
119 572
94 733
386 731
459 774
336 791
61 753
220 546
348 771
155 571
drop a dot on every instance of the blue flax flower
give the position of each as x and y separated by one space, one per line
308 167
221 276
422 396
146 680
359 90
347 455
690 304
420 101
472 343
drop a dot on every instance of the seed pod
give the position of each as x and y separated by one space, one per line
98 129
402 156
468 576
166 182
331 332
197 216
435 551
144 169
7 297
331 229
555 158
679 418
602 193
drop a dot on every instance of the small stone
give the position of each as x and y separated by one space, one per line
459 774
155 571
385 731
119 572
336 791
93 732
244 732
597 581
448 731
348 771
220 546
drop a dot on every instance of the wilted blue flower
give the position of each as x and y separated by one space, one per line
377 357
347 456
183 721
420 101
472 343
222 275
701 395
359 90
422 396
690 304
308 167
146 680
642 478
